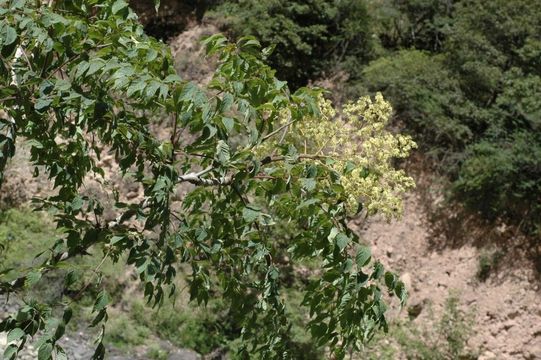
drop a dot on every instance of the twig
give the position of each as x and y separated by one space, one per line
302 156
277 130
197 179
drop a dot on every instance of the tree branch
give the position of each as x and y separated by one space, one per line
278 130
196 178
270 159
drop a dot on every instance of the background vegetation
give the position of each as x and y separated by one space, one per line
463 77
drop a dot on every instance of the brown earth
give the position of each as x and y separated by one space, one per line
437 249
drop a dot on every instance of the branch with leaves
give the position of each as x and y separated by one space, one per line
96 78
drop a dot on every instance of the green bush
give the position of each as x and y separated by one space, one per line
123 332
442 338
488 262
23 234
419 24
311 37
474 101
501 178
425 96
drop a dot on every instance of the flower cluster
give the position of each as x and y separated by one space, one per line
357 145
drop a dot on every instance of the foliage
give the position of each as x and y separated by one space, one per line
463 76
419 24
81 78
202 330
425 95
311 38
489 260
124 332
370 174
485 177
445 337
23 234
473 100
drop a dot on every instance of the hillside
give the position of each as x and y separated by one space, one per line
473 279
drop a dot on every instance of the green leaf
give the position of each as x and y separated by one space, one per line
10 352
332 235
222 152
95 65
99 354
151 55
101 301
307 203
342 240
390 280
9 35
32 278
250 215
136 88
42 104
151 89
378 271
363 256
308 184
117 238
68 313
118 5
60 330
401 292
81 68
228 123
77 203
15 335
45 351
318 330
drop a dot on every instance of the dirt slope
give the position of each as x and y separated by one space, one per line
435 260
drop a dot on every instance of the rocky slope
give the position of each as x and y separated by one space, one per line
438 252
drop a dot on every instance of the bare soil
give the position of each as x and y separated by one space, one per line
437 247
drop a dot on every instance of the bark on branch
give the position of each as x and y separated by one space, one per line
197 178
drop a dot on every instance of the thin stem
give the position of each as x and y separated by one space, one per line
197 179
95 271
302 156
277 130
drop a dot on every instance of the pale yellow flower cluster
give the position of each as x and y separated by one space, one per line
361 149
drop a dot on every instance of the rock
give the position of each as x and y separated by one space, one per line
132 195
3 341
513 314
509 324
184 354
406 279
487 355
415 310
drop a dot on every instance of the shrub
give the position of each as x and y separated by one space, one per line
473 101
425 96
443 338
488 262
311 38
419 24
500 177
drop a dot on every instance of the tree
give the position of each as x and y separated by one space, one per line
311 38
419 24
80 78
470 90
